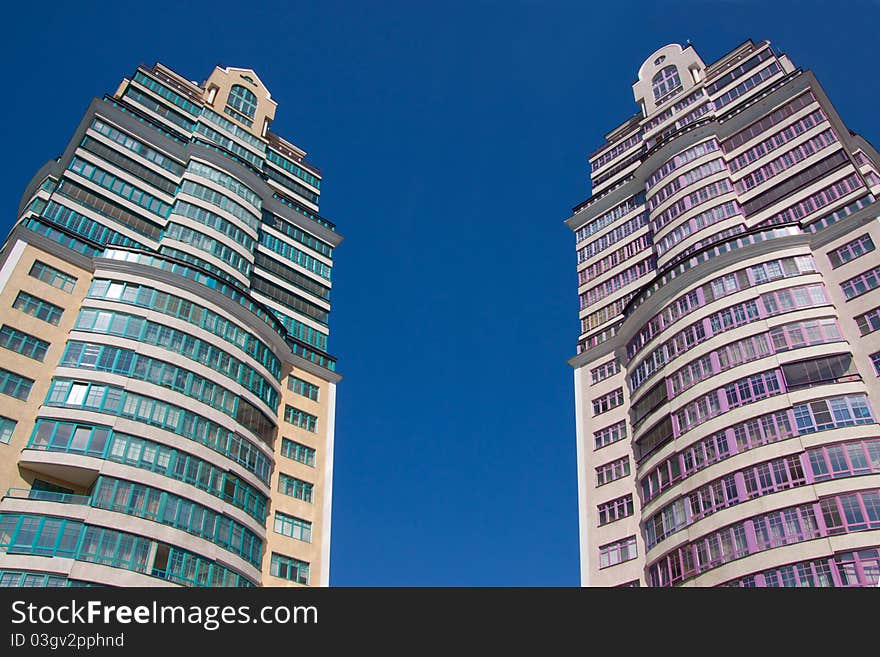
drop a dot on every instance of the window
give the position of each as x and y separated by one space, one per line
830 413
232 129
174 511
860 568
862 283
698 411
647 403
666 80
137 147
303 388
7 427
803 574
297 451
869 321
203 242
802 334
293 168
616 282
685 179
654 438
214 221
747 85
174 306
164 92
90 229
615 509
22 343
604 371
612 237
52 276
875 360
845 459
661 478
692 200
162 335
786 160
129 165
294 527
106 358
300 418
120 187
222 201
289 568
610 434
851 513
666 522
19 578
113 400
819 200
682 158
290 252
612 471
762 430
787 134
57 436
31 534
38 308
734 316
788 299
15 385
851 250
606 402
772 476
817 371
719 83
617 552
243 100
792 525
301 490
724 285
770 120
225 180
742 351
607 219
752 388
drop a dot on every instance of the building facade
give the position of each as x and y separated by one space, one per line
726 375
168 401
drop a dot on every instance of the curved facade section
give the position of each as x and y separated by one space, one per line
727 391
168 411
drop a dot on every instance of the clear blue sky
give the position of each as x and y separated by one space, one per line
453 138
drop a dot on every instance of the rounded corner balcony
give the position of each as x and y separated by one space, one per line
734 361
141 510
202 276
687 261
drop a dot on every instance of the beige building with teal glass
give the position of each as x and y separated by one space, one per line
167 400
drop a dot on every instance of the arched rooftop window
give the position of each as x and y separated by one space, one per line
665 81
243 100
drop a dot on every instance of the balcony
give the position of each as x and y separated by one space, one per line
45 496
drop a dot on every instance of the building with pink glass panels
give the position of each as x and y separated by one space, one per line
726 371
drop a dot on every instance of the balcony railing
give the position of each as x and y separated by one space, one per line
46 496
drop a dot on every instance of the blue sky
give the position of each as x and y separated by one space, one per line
453 139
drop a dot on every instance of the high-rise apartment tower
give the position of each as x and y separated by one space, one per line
726 376
168 402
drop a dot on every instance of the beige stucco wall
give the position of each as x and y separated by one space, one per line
314 512
17 261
